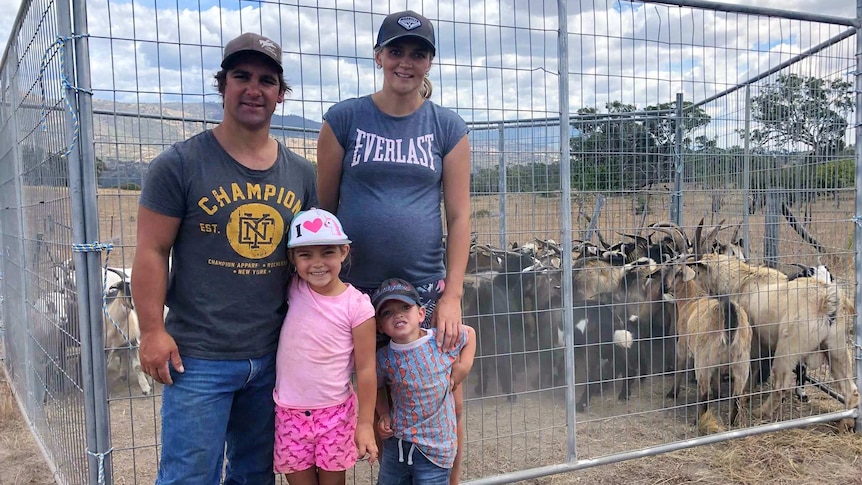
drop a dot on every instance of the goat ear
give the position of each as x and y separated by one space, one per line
688 274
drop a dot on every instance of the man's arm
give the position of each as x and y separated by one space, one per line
156 235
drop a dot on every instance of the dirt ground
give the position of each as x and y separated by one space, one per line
22 462
505 436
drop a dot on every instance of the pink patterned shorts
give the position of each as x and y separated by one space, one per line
315 437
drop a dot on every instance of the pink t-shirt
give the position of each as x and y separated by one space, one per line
315 349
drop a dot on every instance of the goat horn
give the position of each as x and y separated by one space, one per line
698 241
710 238
635 237
674 226
602 240
680 242
483 248
735 233
122 274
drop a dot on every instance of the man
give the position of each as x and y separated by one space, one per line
220 203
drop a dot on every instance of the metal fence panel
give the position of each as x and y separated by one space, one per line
670 113
42 341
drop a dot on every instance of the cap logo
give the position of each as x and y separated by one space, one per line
314 225
409 23
395 287
267 44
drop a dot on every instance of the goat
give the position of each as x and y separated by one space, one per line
54 321
122 334
716 333
820 273
600 335
795 318
64 274
484 258
593 275
493 304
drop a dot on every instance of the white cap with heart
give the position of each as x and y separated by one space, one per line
316 227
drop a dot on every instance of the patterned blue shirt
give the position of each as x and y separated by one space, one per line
423 409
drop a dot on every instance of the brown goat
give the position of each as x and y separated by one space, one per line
795 318
716 333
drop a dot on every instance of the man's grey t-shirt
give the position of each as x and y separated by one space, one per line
229 273
390 192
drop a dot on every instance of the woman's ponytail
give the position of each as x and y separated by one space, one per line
427 88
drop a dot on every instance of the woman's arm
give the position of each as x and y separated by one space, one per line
364 341
456 197
329 157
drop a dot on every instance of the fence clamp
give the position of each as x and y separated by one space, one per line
99 247
101 458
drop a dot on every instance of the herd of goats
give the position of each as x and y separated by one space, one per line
735 321
725 315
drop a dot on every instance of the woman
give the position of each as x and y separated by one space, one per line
382 161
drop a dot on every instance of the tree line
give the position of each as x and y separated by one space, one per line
624 148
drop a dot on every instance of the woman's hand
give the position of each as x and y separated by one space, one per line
447 321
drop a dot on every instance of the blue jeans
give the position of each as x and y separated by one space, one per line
408 465
219 408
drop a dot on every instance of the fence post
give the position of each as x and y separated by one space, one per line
64 28
85 229
503 189
566 219
772 231
857 230
746 177
676 197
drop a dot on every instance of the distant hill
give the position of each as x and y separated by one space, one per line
128 135
137 132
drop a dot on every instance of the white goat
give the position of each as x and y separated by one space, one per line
64 274
122 335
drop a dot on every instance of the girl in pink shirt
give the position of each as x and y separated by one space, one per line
329 330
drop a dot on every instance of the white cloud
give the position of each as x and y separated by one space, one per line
8 11
495 60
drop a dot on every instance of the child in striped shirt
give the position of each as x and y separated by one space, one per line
420 378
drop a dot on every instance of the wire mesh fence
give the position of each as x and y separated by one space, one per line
677 112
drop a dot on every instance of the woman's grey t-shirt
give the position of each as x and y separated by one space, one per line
229 272
390 192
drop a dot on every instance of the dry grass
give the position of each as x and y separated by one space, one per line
506 437
799 456
22 463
